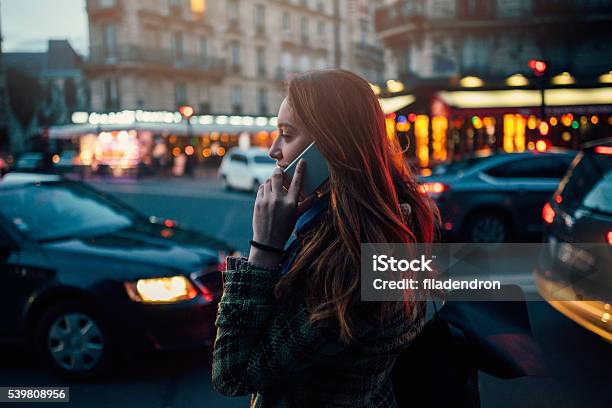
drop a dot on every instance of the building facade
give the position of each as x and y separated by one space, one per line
493 39
221 57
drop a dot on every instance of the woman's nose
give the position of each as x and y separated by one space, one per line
275 152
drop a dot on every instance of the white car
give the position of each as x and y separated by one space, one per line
246 169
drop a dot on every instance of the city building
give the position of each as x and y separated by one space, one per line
498 74
58 71
171 79
221 57
60 90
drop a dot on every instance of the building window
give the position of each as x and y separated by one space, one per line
304 63
203 49
286 21
176 7
232 11
111 94
364 31
262 100
177 45
261 61
321 29
180 94
109 41
260 18
304 29
287 61
198 7
234 49
236 99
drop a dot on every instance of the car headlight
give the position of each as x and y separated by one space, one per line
161 290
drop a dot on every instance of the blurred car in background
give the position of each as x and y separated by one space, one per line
82 275
575 270
59 163
31 161
246 169
496 198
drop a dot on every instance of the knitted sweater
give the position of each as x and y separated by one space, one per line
284 361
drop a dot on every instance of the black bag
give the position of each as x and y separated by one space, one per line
440 367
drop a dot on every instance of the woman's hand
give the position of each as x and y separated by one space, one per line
275 215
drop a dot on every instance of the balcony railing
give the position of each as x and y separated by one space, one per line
398 14
135 54
101 8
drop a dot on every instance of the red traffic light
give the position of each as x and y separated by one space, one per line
537 66
186 111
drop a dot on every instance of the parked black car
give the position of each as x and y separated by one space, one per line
496 198
575 269
82 275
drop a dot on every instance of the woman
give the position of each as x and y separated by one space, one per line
291 329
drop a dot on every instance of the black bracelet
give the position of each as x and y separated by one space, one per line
267 247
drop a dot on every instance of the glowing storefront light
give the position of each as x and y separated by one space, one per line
517 80
394 86
514 133
439 126
471 82
563 79
421 133
606 78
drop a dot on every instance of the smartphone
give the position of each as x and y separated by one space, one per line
316 170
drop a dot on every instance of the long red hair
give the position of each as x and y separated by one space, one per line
369 178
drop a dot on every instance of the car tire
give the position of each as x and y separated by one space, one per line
75 341
489 227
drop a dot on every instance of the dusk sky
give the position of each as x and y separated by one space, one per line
27 25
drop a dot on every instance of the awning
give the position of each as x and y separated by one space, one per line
179 129
518 98
395 103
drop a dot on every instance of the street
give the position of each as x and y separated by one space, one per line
579 361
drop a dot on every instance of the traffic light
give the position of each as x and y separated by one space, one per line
537 66
186 111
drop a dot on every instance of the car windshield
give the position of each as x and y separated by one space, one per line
263 160
459 166
589 183
58 210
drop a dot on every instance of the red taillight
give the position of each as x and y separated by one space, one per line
206 293
169 223
548 214
222 261
603 149
435 188
609 237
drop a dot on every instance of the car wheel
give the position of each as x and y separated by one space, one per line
487 228
74 340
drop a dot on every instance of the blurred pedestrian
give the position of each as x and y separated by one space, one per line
291 329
